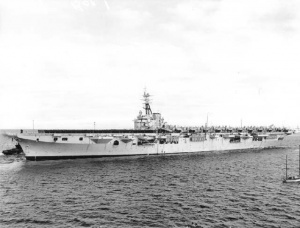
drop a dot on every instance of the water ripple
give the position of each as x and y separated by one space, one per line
236 189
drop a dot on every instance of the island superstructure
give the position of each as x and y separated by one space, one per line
150 136
149 120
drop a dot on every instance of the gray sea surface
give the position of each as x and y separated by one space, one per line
228 189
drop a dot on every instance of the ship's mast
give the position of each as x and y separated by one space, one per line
286 168
147 103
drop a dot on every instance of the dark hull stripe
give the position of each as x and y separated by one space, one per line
43 158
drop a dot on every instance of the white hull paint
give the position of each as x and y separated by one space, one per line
43 147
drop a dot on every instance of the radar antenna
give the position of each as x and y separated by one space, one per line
147 103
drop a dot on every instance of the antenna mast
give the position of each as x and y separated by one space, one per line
147 103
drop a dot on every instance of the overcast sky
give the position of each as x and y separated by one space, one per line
70 63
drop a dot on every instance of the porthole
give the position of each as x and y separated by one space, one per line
81 138
116 143
55 139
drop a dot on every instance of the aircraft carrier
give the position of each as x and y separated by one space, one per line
150 136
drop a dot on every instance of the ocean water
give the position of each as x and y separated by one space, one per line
228 189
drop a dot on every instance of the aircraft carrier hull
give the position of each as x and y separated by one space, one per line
45 149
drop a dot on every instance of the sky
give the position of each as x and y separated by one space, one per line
69 63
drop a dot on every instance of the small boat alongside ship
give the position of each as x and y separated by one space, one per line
151 135
16 150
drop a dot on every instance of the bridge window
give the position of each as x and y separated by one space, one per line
116 143
64 139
